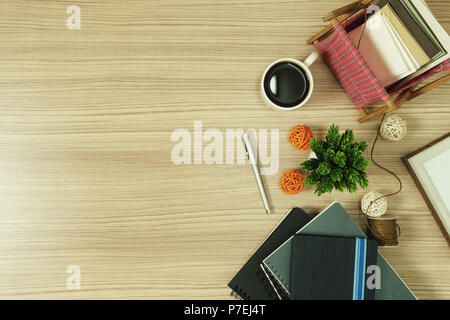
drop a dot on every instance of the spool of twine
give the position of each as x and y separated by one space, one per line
384 230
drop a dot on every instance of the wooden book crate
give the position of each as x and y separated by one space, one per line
352 71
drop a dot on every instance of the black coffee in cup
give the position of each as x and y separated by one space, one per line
286 84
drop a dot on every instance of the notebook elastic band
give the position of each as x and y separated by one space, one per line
360 267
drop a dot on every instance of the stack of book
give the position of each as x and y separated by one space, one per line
327 257
401 41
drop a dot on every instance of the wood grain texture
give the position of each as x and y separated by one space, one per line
86 176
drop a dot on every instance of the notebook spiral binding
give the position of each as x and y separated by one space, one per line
275 288
267 285
239 294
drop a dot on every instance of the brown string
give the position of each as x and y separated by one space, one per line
384 196
364 28
381 167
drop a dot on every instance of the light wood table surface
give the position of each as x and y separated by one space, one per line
86 118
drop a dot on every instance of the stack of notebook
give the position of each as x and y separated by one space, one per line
401 41
322 258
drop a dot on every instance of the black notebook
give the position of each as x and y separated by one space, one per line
250 283
331 268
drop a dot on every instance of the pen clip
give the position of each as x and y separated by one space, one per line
244 142
246 150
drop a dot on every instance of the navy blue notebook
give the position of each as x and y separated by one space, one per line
331 268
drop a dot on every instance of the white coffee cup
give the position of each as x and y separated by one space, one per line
303 66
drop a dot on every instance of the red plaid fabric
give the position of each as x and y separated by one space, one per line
351 69
445 66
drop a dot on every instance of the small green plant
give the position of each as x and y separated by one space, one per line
339 164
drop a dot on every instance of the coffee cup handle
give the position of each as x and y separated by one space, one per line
311 59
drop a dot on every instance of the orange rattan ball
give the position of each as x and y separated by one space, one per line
300 137
292 182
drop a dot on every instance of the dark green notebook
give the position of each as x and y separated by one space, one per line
332 268
425 27
428 45
334 221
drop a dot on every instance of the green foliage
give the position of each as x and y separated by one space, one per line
318 147
312 179
339 165
337 174
333 137
324 168
310 164
340 159
346 140
329 154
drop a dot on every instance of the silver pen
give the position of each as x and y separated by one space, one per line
254 163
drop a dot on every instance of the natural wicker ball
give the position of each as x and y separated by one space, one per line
378 208
292 182
300 137
393 128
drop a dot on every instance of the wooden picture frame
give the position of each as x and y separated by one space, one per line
430 185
